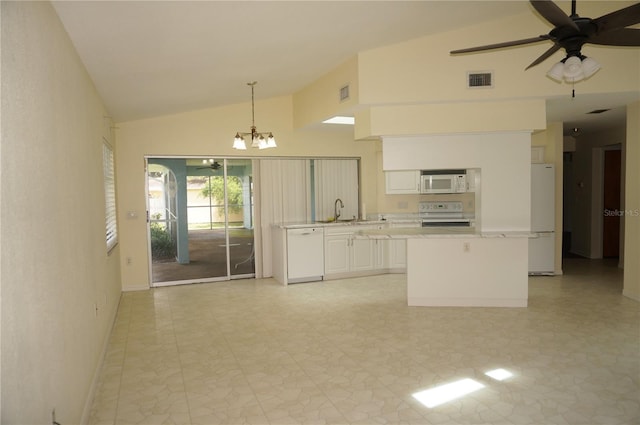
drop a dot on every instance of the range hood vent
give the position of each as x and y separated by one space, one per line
479 79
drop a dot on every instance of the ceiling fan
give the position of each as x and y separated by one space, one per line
571 32
212 165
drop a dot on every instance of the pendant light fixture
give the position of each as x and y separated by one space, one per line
258 140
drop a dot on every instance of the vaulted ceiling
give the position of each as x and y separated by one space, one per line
150 58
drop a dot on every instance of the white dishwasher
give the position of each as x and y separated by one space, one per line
305 254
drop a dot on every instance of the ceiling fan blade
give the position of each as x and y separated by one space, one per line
544 56
621 37
619 19
552 13
501 45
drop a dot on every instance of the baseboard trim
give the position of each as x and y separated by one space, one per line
86 412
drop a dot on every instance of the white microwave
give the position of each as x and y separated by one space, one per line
443 183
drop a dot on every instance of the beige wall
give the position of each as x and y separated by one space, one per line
321 100
632 204
210 133
588 163
60 288
423 71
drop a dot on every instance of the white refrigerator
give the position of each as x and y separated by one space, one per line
542 242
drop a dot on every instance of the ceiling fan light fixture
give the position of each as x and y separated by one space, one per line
556 72
589 67
573 69
258 139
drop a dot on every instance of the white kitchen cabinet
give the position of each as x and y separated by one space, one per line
362 254
398 254
337 253
397 249
402 182
381 254
347 255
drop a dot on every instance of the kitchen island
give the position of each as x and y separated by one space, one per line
461 267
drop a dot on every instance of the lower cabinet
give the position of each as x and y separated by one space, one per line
398 254
337 252
344 254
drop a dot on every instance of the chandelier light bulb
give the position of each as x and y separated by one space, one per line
271 141
238 143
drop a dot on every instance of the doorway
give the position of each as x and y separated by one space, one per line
611 204
201 216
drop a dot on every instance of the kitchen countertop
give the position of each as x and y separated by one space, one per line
303 224
407 233
437 232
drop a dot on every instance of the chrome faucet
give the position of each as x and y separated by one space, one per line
335 208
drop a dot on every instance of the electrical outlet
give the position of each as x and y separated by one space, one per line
129 261
466 247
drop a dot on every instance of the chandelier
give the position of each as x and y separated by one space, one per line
258 140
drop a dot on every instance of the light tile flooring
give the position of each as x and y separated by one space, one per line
352 352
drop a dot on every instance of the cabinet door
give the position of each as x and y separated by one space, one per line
381 253
398 253
362 254
405 181
336 254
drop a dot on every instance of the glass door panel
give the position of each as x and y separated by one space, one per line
239 189
206 214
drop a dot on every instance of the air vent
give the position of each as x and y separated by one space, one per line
344 93
598 111
479 79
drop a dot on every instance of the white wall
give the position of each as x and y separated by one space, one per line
55 268
504 161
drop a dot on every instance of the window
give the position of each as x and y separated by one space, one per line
110 196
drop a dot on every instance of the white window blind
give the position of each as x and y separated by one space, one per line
336 178
110 196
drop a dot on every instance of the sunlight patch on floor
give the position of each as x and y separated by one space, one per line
443 393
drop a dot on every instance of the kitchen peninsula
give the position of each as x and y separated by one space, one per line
462 267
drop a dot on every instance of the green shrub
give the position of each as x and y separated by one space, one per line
162 247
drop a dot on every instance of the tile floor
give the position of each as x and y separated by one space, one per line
351 352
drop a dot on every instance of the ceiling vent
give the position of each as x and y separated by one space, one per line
598 111
344 93
479 79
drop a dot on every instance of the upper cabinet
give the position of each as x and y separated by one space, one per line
402 182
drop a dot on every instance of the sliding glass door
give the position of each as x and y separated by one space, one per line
212 228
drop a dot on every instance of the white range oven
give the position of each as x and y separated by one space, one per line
439 213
